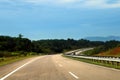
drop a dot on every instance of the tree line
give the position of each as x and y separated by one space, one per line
10 45
108 45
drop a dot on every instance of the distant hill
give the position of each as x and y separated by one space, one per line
97 38
112 52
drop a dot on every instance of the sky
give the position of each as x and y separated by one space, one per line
59 19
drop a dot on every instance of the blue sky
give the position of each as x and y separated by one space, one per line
59 19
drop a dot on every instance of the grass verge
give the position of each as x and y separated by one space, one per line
100 63
8 60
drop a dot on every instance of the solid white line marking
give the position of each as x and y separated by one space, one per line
60 65
3 78
74 75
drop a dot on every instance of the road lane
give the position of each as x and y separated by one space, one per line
56 67
4 70
60 65
9 74
86 71
41 69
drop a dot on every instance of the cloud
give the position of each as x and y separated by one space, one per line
102 3
71 3
51 1
79 3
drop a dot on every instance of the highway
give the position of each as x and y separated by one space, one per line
56 67
78 54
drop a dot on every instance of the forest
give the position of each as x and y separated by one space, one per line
19 46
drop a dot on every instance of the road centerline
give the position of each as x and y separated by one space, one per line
73 75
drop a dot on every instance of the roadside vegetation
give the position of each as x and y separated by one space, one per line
10 57
8 60
12 48
16 48
110 49
115 52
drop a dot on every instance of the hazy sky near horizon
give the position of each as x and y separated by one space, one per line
59 19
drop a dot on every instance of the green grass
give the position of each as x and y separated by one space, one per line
8 60
94 62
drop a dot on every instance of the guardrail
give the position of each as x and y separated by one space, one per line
106 60
117 59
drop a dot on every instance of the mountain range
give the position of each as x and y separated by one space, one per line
108 38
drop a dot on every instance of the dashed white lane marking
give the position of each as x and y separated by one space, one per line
74 75
60 65
6 76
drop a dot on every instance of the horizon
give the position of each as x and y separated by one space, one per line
90 38
77 19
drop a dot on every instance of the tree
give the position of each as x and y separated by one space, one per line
20 36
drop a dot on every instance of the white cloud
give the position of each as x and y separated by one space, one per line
102 3
52 1
72 3
79 3
68 1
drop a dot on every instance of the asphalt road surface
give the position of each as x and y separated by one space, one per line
56 67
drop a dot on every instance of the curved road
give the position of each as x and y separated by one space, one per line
56 67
